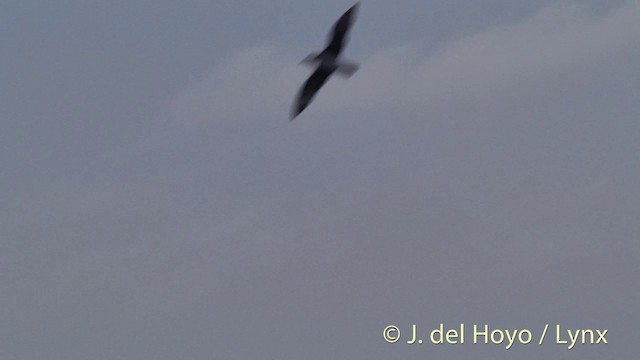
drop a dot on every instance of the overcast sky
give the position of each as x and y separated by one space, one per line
482 167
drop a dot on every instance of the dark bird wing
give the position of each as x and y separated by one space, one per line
340 30
309 89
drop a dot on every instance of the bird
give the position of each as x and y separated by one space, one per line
328 61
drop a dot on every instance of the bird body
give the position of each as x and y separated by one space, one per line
327 62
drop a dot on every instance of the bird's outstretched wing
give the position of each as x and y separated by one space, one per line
340 30
309 89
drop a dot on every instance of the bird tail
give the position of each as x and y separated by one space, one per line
346 69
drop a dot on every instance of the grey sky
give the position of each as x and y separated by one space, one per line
155 202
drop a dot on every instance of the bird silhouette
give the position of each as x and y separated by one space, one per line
328 61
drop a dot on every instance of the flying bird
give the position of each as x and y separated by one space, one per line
327 61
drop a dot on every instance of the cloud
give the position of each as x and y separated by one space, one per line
258 81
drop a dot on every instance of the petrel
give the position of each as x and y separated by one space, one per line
327 61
